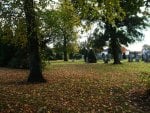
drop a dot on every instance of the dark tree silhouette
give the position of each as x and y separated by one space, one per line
91 56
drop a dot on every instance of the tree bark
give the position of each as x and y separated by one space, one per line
35 74
115 50
65 49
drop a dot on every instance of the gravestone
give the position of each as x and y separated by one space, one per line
147 56
137 58
106 58
120 56
130 57
91 56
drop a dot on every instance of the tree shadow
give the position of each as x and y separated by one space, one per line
21 82
141 100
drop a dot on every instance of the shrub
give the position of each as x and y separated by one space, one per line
77 56
19 60
6 53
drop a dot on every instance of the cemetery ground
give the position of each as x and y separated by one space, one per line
78 87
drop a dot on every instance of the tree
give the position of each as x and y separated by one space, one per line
62 22
98 11
33 44
68 21
20 37
19 41
114 44
11 11
13 51
127 30
93 10
96 40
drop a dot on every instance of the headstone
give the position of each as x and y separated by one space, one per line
82 56
91 56
137 58
120 56
106 58
146 56
130 58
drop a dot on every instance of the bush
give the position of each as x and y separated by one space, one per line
91 57
77 56
6 54
18 63
13 56
48 54
59 56
19 60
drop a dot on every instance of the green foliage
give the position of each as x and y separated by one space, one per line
77 56
59 56
59 21
19 59
126 31
11 11
12 56
6 53
48 54
20 38
13 51
7 33
133 23
13 40
97 40
60 25
93 10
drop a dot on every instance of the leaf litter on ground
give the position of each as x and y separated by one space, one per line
76 88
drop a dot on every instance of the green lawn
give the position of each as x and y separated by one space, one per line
78 87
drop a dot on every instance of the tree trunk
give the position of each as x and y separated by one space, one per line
65 49
33 44
115 46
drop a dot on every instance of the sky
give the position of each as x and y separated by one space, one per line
137 46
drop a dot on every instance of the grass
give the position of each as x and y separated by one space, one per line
77 87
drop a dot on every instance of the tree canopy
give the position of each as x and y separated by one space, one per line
126 31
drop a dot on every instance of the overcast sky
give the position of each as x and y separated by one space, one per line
138 45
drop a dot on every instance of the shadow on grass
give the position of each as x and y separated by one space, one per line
141 100
21 82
